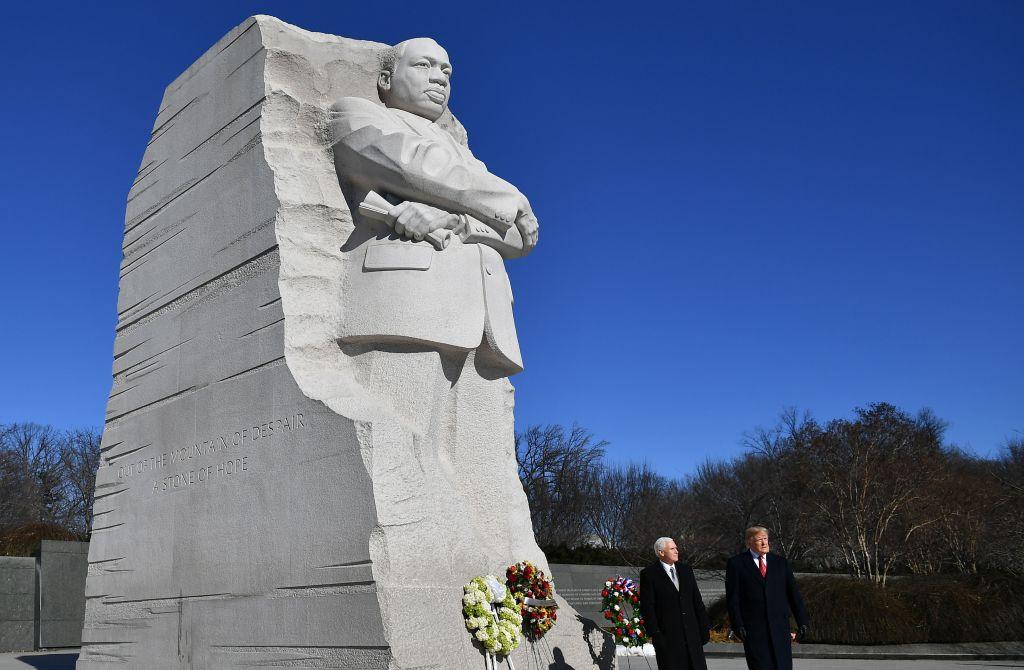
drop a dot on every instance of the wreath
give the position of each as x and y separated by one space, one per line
535 594
621 606
492 617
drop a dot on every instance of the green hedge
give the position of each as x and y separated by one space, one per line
908 610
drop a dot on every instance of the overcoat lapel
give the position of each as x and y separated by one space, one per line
748 560
665 579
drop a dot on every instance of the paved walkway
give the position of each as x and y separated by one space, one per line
43 660
833 664
65 660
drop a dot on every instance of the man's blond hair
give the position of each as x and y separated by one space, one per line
754 531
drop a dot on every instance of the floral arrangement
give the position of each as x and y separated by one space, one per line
524 580
621 606
491 614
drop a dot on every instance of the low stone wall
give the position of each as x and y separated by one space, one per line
42 598
62 570
581 584
17 603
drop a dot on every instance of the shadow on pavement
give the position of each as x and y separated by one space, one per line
50 661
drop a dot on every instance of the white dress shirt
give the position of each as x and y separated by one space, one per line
668 571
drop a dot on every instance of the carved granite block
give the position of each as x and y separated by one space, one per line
299 467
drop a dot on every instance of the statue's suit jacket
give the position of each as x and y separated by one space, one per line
403 291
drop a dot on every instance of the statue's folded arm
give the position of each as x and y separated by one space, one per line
374 149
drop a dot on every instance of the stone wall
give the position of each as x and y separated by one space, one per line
42 598
17 603
62 570
581 585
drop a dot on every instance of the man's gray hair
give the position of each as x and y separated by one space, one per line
754 531
659 544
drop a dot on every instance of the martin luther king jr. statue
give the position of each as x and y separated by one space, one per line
433 225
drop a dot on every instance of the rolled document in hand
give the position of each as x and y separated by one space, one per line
509 244
376 208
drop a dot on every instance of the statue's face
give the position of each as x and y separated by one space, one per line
421 81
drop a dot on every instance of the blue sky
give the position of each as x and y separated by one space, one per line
744 205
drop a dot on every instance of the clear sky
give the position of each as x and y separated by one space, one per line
744 205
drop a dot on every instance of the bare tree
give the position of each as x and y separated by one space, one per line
30 477
875 479
632 506
557 469
1002 551
47 478
787 476
79 459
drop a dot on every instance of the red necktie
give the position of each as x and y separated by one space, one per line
761 564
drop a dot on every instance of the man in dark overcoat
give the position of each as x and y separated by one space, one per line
760 593
673 611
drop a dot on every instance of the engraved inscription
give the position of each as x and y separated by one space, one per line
222 465
202 475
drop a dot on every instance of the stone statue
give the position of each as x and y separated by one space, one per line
310 371
439 294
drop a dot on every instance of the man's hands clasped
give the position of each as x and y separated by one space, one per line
413 220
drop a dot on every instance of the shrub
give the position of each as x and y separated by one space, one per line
967 609
852 611
933 609
22 540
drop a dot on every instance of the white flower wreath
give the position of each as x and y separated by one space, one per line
492 619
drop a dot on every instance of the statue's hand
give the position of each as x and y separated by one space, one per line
527 224
414 220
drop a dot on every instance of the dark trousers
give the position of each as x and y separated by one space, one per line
673 655
754 663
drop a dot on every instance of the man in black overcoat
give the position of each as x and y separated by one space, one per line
760 593
673 611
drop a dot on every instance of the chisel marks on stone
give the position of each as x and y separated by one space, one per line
214 287
247 234
166 125
222 128
269 364
136 304
107 652
146 170
188 186
133 263
148 237
133 196
131 348
242 64
100 495
351 657
128 368
151 405
234 134
353 564
238 37
268 304
326 589
97 529
114 395
256 330
116 457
